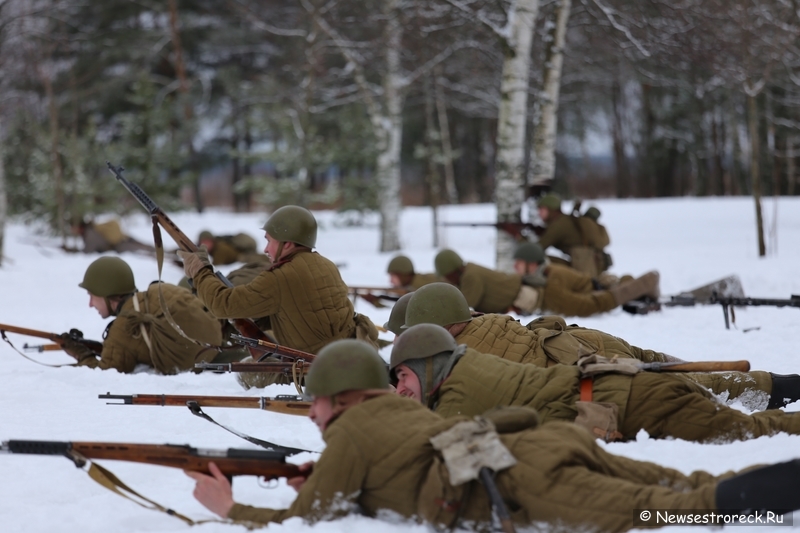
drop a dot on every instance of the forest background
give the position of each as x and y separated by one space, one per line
375 104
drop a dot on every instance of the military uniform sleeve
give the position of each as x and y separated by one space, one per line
472 287
114 355
259 298
554 235
331 491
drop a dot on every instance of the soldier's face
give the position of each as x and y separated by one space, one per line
408 383
544 213
271 249
321 411
100 304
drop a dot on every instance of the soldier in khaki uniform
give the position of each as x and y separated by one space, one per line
141 334
428 365
227 249
402 275
549 341
563 290
379 457
580 237
302 293
107 237
555 288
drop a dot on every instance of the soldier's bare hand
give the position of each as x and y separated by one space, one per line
297 482
213 491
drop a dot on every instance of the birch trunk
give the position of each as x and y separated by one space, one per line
389 133
447 147
3 202
543 159
509 182
755 175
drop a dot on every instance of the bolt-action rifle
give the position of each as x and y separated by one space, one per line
286 404
232 462
73 334
374 295
266 348
518 230
245 326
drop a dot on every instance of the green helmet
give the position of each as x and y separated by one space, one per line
437 303
420 342
346 365
292 223
592 213
400 265
529 252
205 236
398 316
447 262
108 276
551 201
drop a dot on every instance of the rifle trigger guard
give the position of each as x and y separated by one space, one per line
265 483
79 460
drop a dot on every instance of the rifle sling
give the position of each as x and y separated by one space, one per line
159 246
195 409
111 482
5 338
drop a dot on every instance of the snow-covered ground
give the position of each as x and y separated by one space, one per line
690 241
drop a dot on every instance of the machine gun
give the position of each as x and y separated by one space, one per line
729 302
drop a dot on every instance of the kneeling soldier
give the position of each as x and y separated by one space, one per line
380 456
430 367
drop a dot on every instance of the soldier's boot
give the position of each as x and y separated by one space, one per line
646 285
771 488
785 390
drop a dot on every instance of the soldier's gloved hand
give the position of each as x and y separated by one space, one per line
194 262
74 348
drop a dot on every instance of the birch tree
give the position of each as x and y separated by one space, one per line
542 169
515 37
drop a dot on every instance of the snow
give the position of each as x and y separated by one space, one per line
690 241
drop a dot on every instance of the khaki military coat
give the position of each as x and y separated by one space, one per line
487 290
548 341
571 293
303 296
664 405
124 346
378 459
420 280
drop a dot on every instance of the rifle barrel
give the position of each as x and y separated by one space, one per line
271 347
273 368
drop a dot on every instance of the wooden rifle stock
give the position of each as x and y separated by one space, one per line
232 462
700 366
74 334
286 404
245 326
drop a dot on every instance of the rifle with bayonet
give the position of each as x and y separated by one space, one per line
245 326
266 348
58 340
518 230
286 404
